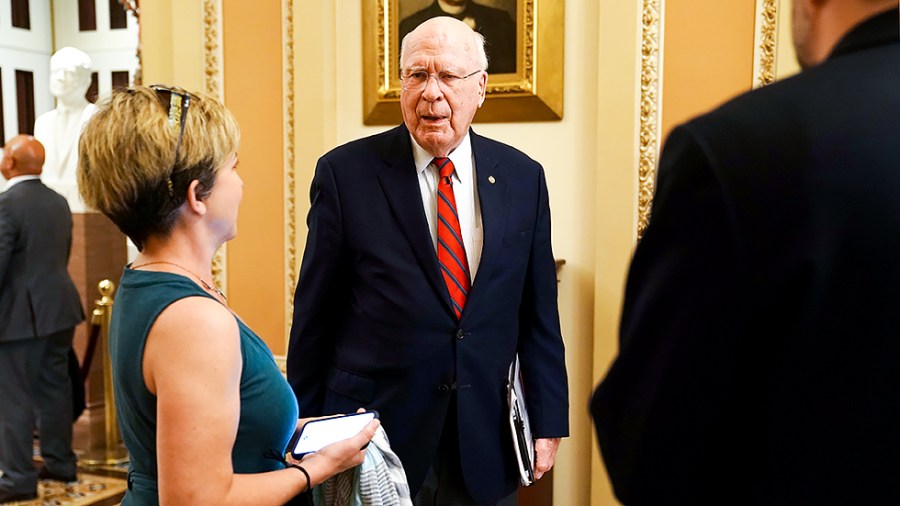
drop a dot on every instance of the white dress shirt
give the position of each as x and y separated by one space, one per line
464 191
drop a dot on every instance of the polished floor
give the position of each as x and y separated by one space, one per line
90 489
96 486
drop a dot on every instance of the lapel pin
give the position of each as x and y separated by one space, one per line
491 179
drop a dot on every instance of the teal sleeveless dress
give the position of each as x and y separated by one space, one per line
268 415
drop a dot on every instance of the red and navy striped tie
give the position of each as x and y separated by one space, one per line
451 251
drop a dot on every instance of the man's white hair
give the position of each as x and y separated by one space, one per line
477 40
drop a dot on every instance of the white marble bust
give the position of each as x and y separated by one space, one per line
59 129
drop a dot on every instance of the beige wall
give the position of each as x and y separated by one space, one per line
704 67
590 157
172 45
614 210
253 92
786 58
173 38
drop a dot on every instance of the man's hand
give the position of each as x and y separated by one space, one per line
545 455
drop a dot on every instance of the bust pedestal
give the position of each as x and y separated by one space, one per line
98 253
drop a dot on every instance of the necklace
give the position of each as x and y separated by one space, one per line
209 287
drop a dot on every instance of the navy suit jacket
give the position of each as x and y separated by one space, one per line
760 339
373 323
37 296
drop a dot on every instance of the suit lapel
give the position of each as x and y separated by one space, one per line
493 198
400 184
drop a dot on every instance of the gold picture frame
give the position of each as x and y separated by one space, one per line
534 92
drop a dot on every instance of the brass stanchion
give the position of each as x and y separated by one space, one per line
112 451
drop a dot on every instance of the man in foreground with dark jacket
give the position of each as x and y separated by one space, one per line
760 337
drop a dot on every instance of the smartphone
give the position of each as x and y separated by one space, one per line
318 434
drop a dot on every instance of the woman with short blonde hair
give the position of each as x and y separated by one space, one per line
205 413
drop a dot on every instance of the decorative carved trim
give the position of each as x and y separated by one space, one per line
527 85
290 173
381 52
133 6
764 50
212 85
212 48
651 98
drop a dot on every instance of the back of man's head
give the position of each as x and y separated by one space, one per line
23 155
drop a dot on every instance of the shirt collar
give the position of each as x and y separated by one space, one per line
461 157
18 179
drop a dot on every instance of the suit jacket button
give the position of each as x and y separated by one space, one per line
460 334
444 389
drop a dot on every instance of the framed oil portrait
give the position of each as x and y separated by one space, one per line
524 42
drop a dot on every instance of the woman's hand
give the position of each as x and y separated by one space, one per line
340 456
303 421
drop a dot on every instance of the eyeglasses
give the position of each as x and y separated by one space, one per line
417 80
177 101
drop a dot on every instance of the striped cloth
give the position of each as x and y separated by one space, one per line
379 481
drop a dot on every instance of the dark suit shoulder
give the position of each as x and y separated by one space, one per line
843 104
840 88
376 144
490 149
368 152
818 134
34 193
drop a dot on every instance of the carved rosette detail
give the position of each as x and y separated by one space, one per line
649 112
212 85
290 175
767 28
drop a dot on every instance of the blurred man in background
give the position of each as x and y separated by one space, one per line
39 309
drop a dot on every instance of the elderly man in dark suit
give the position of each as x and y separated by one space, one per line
760 337
427 268
39 308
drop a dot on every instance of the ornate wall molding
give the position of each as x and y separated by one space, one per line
290 172
765 45
650 107
133 7
213 73
213 79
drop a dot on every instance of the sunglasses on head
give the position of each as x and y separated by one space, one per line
176 101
